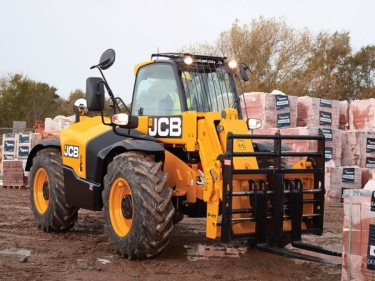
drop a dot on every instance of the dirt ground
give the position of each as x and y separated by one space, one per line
84 253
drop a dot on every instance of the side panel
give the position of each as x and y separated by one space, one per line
81 144
86 193
173 129
209 150
73 143
81 193
85 146
212 132
180 176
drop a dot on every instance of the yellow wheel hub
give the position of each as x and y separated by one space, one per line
41 190
120 207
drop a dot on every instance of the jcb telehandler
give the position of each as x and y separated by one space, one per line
184 148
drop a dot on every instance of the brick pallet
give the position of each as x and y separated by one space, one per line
14 175
316 112
358 259
15 186
275 111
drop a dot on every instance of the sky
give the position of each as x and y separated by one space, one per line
56 42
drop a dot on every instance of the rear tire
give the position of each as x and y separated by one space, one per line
47 193
137 209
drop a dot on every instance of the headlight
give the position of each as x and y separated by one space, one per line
232 64
254 123
188 60
120 119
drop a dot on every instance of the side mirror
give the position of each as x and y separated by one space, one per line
95 93
244 75
107 59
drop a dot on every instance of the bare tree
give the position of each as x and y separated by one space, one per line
296 62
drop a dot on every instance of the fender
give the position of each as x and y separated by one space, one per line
86 193
98 152
39 146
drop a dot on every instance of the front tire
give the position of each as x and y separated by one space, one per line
138 210
47 193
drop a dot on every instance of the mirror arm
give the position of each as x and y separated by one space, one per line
237 100
108 124
247 68
109 90
120 99
76 113
100 64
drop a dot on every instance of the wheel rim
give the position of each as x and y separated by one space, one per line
41 191
120 207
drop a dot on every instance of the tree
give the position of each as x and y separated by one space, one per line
295 62
41 101
273 51
358 75
11 89
322 73
22 99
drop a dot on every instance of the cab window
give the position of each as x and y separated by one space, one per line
154 83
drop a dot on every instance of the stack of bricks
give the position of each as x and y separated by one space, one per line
9 146
56 124
344 115
367 175
348 127
339 179
275 111
24 142
39 126
14 158
332 142
359 148
358 236
361 115
53 127
13 174
18 146
317 113
51 135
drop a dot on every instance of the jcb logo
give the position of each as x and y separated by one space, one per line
162 127
71 151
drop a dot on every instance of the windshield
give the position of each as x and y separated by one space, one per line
158 92
211 91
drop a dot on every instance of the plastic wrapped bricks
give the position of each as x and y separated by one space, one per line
358 236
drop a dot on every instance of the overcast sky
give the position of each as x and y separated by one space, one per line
56 42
